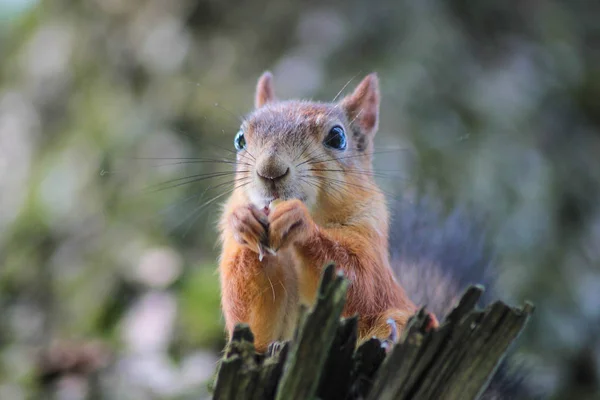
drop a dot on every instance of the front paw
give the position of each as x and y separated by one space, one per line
290 222
249 226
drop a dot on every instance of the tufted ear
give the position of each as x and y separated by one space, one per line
265 92
362 106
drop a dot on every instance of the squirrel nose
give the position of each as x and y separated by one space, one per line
274 176
273 170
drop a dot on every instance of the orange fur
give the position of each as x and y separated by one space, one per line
261 294
332 210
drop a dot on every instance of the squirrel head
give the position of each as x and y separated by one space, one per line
315 152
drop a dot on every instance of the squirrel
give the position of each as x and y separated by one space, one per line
305 195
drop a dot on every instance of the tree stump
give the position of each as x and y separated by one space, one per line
455 361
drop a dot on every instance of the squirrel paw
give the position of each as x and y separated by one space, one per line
389 342
250 226
289 222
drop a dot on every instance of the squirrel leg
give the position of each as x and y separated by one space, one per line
260 294
390 325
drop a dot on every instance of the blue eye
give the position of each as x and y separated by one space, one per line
336 138
239 142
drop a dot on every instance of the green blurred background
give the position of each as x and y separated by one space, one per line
496 103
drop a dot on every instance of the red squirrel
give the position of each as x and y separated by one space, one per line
306 196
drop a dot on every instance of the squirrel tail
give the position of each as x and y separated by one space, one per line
435 256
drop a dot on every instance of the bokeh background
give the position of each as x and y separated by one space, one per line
494 106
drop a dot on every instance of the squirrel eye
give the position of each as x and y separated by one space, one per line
239 142
336 138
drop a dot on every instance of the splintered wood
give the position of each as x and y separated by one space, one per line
455 361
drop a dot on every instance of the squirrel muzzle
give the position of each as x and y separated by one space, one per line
272 169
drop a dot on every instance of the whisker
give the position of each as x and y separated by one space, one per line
197 212
312 154
188 135
214 144
283 287
239 118
318 184
357 115
450 142
403 148
314 161
333 187
371 189
272 288
311 141
197 162
251 157
229 182
199 196
177 203
199 159
345 86
337 105
192 178
250 154
186 199
359 172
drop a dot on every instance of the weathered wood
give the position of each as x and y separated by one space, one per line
335 380
310 350
270 374
367 360
238 370
455 361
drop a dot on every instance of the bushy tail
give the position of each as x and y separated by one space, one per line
435 256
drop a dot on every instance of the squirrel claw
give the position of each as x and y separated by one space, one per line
262 250
274 348
392 339
394 330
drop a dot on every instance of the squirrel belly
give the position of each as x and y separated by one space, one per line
262 293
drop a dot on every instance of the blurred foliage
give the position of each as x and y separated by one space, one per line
201 287
496 105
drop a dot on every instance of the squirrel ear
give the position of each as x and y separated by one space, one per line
265 92
362 106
